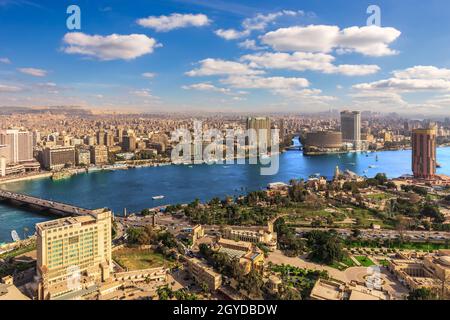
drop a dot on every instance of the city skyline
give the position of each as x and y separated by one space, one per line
165 56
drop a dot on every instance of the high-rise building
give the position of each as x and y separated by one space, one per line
73 253
351 127
109 138
99 155
56 158
83 157
258 124
424 153
101 137
19 144
36 138
129 143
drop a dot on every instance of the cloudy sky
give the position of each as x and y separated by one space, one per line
226 55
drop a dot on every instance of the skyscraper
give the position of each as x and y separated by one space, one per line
19 144
424 153
258 124
351 127
73 253
101 137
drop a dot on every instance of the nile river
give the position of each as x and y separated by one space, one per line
133 189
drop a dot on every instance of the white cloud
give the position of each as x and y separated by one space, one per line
149 75
257 23
406 85
174 21
231 34
250 45
388 93
301 61
423 72
306 97
111 47
368 40
418 78
8 89
5 60
33 72
355 69
210 67
142 93
206 86
256 82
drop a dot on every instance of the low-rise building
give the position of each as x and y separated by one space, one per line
430 271
250 257
56 158
262 236
204 274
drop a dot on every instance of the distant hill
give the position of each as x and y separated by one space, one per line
72 110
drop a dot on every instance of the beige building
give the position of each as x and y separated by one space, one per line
197 233
250 257
73 253
203 274
333 290
265 237
99 155
19 145
56 158
83 157
430 271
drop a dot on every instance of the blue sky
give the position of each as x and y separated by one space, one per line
219 56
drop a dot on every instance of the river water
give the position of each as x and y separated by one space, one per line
133 189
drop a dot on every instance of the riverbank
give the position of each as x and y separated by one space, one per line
134 189
26 178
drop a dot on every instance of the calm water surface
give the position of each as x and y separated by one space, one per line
133 189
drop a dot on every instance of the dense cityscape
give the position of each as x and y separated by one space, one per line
243 154
326 231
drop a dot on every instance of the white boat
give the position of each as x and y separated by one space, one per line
15 236
158 197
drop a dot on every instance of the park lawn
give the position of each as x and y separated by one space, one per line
344 264
384 263
365 261
138 259
301 211
17 252
398 246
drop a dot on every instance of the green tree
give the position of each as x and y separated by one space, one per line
422 294
326 247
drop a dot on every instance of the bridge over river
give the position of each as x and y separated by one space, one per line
57 208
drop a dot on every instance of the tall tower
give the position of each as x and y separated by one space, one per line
424 153
261 123
351 127
19 144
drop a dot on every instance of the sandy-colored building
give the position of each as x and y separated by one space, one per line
73 253
333 290
203 274
99 155
250 257
197 233
265 237
430 271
